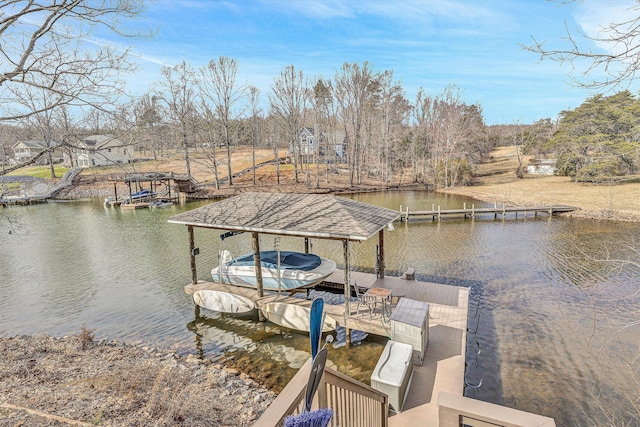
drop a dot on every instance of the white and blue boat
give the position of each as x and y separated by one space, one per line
281 270
139 196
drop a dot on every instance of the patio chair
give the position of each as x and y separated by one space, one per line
368 300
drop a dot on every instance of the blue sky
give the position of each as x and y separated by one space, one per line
429 44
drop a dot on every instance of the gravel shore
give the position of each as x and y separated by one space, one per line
47 381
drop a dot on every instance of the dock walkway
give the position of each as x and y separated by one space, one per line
443 367
438 213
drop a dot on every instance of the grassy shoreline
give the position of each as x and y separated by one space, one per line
495 182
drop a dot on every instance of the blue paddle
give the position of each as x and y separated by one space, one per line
315 325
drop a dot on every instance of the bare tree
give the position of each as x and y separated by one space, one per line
47 48
324 108
209 132
218 86
256 124
393 113
179 93
451 130
148 119
357 91
38 99
620 61
288 98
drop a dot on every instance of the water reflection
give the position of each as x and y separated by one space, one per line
557 315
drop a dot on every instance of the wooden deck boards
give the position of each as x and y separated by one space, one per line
473 211
443 367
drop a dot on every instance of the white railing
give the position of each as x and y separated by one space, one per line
354 404
457 411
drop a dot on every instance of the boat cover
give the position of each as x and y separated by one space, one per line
288 260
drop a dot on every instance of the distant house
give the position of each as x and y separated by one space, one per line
102 150
24 151
329 147
541 167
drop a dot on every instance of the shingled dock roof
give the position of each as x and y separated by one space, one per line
305 215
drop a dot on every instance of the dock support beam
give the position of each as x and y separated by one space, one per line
255 244
347 290
193 252
381 265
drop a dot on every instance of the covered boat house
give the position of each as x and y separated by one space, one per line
433 392
300 215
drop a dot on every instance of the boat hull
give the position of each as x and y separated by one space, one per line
294 316
223 302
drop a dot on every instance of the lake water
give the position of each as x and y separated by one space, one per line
557 300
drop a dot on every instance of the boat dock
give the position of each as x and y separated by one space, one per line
436 213
444 363
314 216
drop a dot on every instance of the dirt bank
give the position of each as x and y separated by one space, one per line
47 381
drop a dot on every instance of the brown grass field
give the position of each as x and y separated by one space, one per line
496 181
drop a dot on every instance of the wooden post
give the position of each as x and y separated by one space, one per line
192 251
381 253
255 244
473 210
439 214
401 217
306 245
347 290
115 190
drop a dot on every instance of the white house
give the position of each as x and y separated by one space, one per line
541 167
23 151
102 150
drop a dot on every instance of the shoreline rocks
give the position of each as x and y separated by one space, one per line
115 384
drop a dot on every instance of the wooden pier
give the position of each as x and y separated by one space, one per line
436 213
444 364
22 200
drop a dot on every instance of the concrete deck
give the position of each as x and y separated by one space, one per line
443 367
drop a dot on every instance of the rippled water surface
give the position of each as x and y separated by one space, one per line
556 299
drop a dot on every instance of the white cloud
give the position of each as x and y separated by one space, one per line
596 16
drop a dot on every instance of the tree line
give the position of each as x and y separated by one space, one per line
55 89
436 140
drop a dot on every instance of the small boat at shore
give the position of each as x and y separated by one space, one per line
294 316
281 270
161 204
